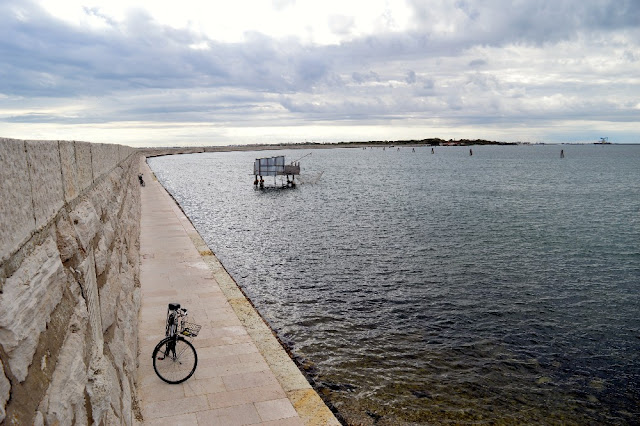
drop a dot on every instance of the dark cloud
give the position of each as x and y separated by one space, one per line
476 63
359 77
49 118
411 77
496 23
427 89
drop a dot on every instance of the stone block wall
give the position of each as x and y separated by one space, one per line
69 282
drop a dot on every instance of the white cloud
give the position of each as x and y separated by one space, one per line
341 24
478 67
326 22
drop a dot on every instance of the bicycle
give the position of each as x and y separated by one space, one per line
174 358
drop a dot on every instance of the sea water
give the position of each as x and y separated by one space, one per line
414 287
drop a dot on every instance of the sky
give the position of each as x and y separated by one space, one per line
210 72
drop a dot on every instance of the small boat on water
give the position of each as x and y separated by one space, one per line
603 141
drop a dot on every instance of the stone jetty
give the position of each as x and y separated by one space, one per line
85 280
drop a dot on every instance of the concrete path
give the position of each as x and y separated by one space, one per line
243 374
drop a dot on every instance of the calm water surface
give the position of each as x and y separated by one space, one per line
430 288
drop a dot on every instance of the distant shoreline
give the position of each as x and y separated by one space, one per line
160 151
155 152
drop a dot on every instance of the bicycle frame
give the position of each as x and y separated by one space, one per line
174 315
174 358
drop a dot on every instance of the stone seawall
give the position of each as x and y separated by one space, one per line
69 282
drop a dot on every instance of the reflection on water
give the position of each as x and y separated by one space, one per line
425 288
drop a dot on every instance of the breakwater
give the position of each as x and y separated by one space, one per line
69 282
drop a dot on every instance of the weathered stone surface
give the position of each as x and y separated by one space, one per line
111 418
64 401
54 275
109 299
86 222
117 190
128 285
102 254
83 164
16 208
117 348
103 388
124 264
124 152
123 347
28 298
127 413
131 230
67 243
74 286
5 388
90 290
46 179
69 170
104 157
108 233
99 162
100 198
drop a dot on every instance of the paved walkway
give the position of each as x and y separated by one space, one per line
243 374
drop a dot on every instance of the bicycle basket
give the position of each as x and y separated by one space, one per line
190 329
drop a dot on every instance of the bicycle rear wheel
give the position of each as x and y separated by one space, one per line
174 360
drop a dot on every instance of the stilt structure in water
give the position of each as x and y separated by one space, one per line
603 141
275 166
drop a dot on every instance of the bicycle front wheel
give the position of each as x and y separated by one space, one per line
174 360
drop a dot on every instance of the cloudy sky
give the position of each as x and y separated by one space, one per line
209 72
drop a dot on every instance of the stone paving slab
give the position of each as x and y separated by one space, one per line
244 376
